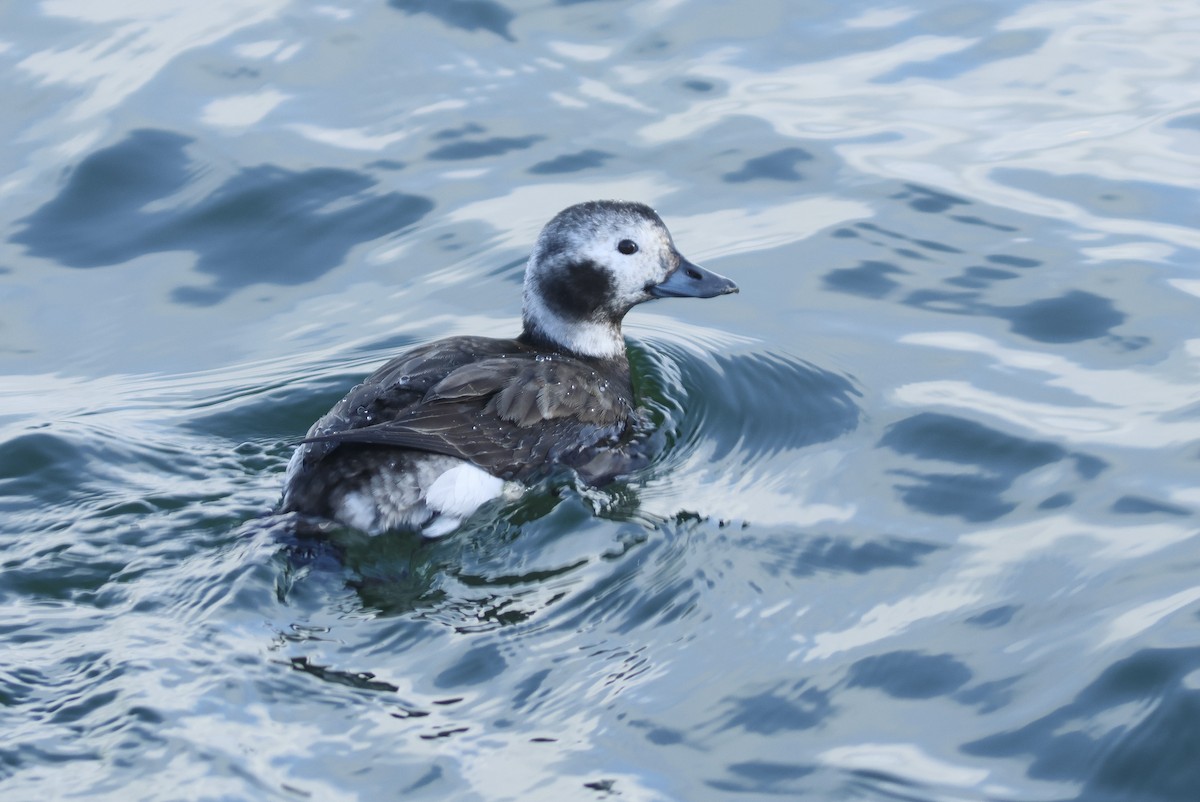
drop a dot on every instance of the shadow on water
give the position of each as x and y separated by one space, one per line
910 675
762 777
265 224
466 15
996 460
464 149
571 162
779 166
817 554
962 283
1146 755
785 707
869 279
507 564
391 574
1072 317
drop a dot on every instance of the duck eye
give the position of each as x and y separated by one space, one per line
627 246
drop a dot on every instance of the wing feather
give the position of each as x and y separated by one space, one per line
510 412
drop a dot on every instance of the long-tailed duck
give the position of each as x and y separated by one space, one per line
441 429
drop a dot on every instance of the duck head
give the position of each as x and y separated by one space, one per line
595 261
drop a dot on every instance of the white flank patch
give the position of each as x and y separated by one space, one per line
459 491
358 510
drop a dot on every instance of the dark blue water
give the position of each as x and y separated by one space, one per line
925 523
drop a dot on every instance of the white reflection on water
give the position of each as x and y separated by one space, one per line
1137 621
537 203
880 18
905 761
352 138
1037 111
131 41
892 618
1131 408
580 52
738 231
708 235
999 555
122 48
800 101
504 766
241 111
279 49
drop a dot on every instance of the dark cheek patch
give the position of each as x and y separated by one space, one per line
577 291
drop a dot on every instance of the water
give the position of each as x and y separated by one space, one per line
925 523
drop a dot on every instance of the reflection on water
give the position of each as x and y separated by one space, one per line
998 460
1113 761
936 463
467 15
262 225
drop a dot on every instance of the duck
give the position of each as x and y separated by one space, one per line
440 430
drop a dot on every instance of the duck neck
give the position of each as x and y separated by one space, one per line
587 338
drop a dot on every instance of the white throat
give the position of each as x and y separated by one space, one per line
587 338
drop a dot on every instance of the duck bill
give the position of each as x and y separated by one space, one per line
692 281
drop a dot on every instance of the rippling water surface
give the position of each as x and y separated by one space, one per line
925 522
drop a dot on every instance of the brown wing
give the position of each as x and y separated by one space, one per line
402 382
510 415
